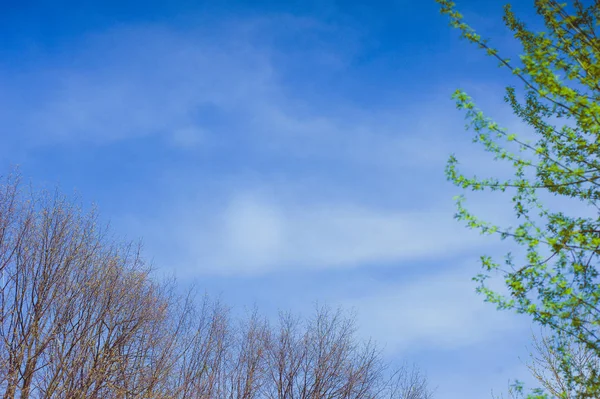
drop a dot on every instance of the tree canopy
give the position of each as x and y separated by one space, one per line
557 95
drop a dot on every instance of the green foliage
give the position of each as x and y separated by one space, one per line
557 281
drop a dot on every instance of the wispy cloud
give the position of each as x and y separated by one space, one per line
225 88
219 87
141 81
438 311
253 234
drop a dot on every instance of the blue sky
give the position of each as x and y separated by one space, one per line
278 154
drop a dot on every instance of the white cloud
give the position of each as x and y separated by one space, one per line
224 90
139 81
201 87
254 234
188 137
438 311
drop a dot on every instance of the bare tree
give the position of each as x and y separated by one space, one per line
555 357
407 383
82 317
557 362
322 358
201 351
